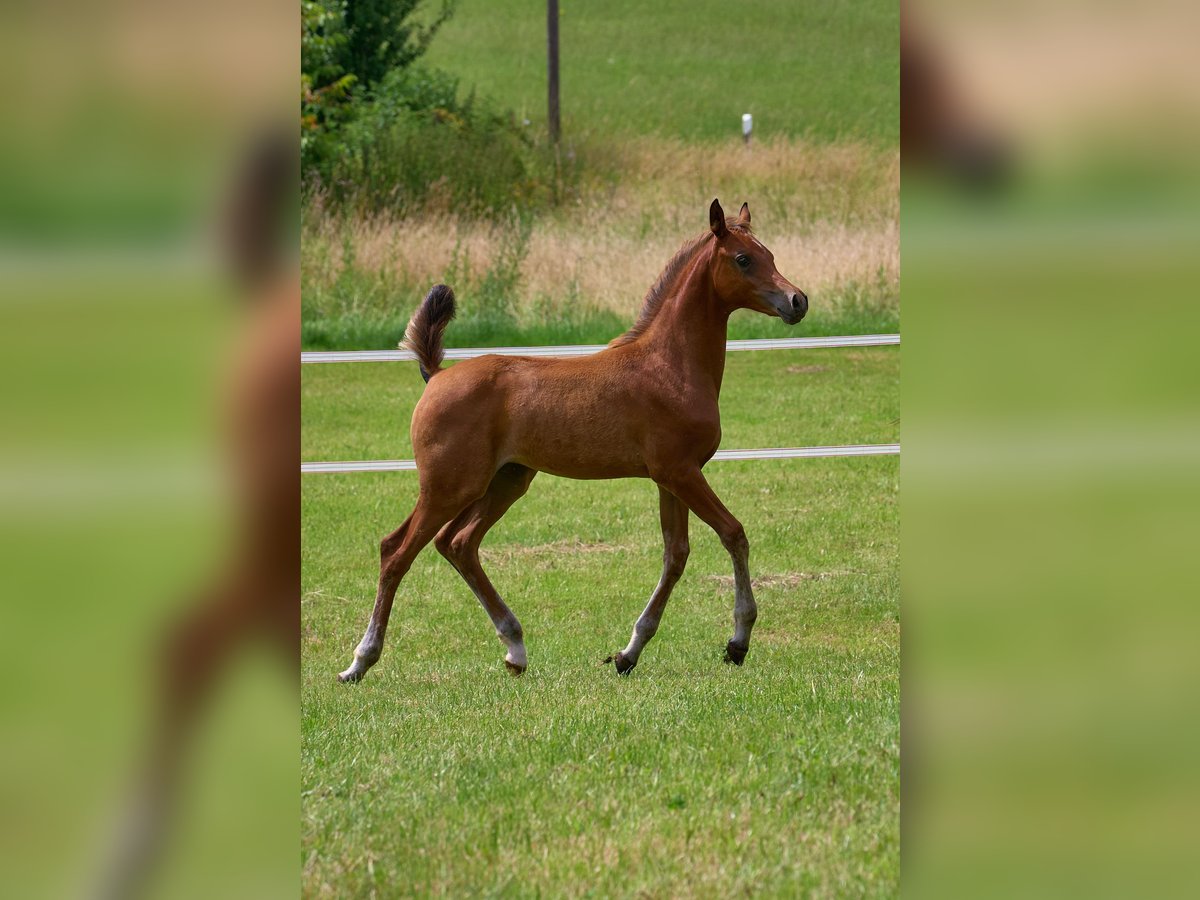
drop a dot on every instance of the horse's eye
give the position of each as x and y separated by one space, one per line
742 260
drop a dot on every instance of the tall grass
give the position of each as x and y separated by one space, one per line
578 272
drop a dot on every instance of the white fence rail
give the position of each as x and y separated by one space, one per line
809 343
410 465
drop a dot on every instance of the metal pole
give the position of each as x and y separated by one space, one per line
552 67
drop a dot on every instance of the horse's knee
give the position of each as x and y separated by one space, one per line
675 558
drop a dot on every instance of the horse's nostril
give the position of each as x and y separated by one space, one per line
799 303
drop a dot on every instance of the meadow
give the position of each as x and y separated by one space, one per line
821 72
441 775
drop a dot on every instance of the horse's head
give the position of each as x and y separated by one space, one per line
744 273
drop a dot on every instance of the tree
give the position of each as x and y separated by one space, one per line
382 36
347 48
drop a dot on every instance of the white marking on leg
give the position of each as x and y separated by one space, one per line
645 628
366 654
508 629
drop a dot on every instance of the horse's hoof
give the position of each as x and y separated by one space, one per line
621 664
513 668
735 654
350 676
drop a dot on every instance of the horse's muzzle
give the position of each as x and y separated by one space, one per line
791 306
799 301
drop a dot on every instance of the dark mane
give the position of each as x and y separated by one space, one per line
660 290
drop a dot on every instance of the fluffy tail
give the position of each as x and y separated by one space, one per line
423 336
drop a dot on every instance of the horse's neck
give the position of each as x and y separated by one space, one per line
691 328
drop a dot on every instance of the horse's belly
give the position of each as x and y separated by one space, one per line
585 461
587 469
575 453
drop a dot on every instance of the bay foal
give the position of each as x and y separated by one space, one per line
645 407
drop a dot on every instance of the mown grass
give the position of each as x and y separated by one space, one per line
689 68
440 775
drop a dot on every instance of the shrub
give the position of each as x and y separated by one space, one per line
413 144
382 135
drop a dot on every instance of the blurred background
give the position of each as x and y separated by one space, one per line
1050 432
1050 485
143 275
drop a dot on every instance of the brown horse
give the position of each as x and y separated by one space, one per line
646 407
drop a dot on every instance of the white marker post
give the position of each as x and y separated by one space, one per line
747 126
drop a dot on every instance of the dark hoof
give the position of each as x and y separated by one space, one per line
735 654
513 668
621 664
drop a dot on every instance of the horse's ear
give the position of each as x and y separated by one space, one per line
716 219
744 214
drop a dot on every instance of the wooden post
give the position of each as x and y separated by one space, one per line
552 67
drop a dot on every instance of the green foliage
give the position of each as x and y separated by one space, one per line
415 144
371 310
325 84
380 134
382 36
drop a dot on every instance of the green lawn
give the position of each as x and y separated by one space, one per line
440 774
827 71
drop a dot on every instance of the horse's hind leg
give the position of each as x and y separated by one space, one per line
459 542
673 516
397 552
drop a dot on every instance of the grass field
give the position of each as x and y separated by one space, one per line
825 72
441 775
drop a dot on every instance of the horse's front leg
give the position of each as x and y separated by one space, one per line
691 487
673 516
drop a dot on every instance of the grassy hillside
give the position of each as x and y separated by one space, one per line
824 70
